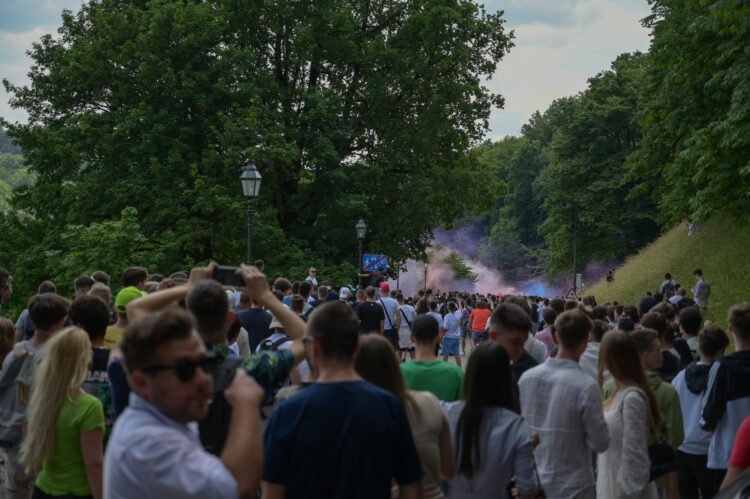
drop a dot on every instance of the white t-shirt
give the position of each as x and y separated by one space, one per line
452 324
304 367
407 312
312 280
390 307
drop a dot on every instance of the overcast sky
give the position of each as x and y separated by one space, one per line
558 45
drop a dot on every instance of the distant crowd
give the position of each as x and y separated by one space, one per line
193 385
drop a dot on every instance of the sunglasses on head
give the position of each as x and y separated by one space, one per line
185 369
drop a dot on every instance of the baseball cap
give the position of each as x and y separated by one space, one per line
344 292
125 296
275 323
385 288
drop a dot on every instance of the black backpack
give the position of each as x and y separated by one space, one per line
215 426
267 344
668 290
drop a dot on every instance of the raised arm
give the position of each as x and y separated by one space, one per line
160 299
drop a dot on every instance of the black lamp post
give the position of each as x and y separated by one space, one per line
250 179
361 229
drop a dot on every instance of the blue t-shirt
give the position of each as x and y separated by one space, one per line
340 440
257 323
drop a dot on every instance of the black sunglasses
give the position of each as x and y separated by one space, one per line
185 369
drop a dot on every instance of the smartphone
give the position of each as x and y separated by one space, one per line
226 275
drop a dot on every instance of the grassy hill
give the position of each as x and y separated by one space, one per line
721 249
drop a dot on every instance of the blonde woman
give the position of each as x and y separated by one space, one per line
64 434
631 413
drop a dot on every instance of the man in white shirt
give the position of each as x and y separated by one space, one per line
311 274
564 406
392 315
451 332
154 450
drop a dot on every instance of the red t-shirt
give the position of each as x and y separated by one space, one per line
480 316
741 452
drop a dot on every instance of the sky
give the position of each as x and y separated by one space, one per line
559 44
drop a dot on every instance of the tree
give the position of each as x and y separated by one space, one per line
349 109
695 154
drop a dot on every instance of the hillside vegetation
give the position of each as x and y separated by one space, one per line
721 249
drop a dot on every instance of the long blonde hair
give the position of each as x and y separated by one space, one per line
61 373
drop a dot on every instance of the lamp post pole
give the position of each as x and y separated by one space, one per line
250 214
250 180
361 230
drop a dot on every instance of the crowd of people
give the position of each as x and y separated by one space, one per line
182 386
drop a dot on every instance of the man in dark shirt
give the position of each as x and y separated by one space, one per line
255 320
370 313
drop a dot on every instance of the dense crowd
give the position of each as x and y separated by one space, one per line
187 387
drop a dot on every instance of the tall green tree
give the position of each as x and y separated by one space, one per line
349 109
695 152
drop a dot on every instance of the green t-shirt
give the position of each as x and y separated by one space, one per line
65 472
443 379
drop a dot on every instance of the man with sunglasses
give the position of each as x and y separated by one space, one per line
154 450
207 301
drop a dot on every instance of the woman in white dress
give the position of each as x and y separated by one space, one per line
631 413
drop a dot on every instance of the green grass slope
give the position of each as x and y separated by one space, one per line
721 249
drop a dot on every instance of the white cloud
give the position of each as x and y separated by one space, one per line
14 64
553 60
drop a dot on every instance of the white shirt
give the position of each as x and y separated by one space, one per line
565 407
452 324
390 307
589 362
153 456
534 347
312 280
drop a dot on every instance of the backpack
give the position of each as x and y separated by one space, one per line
16 383
668 290
213 429
267 344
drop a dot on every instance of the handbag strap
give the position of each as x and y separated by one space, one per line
652 423
405 317
387 314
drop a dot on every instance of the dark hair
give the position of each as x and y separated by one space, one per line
209 304
570 305
698 272
83 282
690 320
626 324
295 287
131 276
421 306
611 313
433 305
47 287
520 301
711 340
600 329
103 277
305 288
631 312
153 277
655 321
509 317
739 319
259 263
47 309
488 384
282 284
370 291
572 328
425 328
558 305
549 315
589 300
665 309
234 330
297 303
452 306
599 313
336 327
92 314
376 362
667 276
644 339
143 337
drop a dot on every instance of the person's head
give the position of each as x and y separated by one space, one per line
370 292
682 292
103 277
649 348
425 330
305 288
667 310
599 313
6 285
488 383
376 362
322 292
690 321
610 313
260 264
47 287
645 305
134 276
452 306
155 277
698 274
572 329
600 329
344 293
164 360
125 296
60 375
433 306
47 312
549 315
297 304
667 276
82 285
558 305
510 325
739 322
312 272
656 321
208 303
619 355
283 285
361 295
91 314
589 302
7 337
571 305
385 289
518 300
631 312
712 341
334 330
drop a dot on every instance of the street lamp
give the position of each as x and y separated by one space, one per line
361 229
250 179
